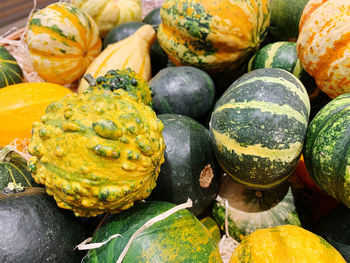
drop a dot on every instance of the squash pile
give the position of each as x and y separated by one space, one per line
243 107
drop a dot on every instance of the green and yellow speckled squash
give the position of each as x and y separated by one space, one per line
62 42
10 71
323 44
212 35
258 127
110 13
97 152
285 243
178 238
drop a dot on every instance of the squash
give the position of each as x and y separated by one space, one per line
258 127
34 229
110 13
326 150
22 104
249 210
178 238
13 169
212 227
62 42
323 47
285 17
182 90
132 52
190 169
285 243
153 18
212 35
10 71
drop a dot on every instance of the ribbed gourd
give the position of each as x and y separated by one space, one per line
323 44
110 13
10 72
62 42
97 152
131 52
125 79
212 35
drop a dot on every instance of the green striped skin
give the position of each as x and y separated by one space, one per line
249 210
327 151
258 127
10 71
182 90
283 55
285 16
13 169
178 238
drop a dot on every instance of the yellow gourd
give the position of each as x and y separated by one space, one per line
132 52
22 104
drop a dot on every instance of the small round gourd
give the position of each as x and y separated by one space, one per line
10 71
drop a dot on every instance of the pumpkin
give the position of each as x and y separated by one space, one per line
110 13
285 243
182 90
62 42
22 104
97 152
326 150
190 169
212 35
13 169
34 229
258 127
249 210
285 17
322 44
10 71
178 238
283 55
132 52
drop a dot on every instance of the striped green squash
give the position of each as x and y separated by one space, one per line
283 55
258 127
249 210
327 152
10 71
181 237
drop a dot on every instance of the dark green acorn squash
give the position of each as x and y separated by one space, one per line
33 229
153 18
190 169
178 238
13 169
10 71
327 152
182 90
249 210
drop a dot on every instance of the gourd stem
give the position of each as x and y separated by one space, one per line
90 79
4 152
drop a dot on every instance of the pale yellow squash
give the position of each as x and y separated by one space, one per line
132 52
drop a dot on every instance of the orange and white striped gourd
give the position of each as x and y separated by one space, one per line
110 13
323 44
62 42
131 52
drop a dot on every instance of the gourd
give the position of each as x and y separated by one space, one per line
132 52
22 104
97 152
34 229
322 45
62 42
190 169
258 127
212 35
285 243
10 71
178 238
110 13
326 152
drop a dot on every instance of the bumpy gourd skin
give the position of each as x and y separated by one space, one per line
97 152
125 79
